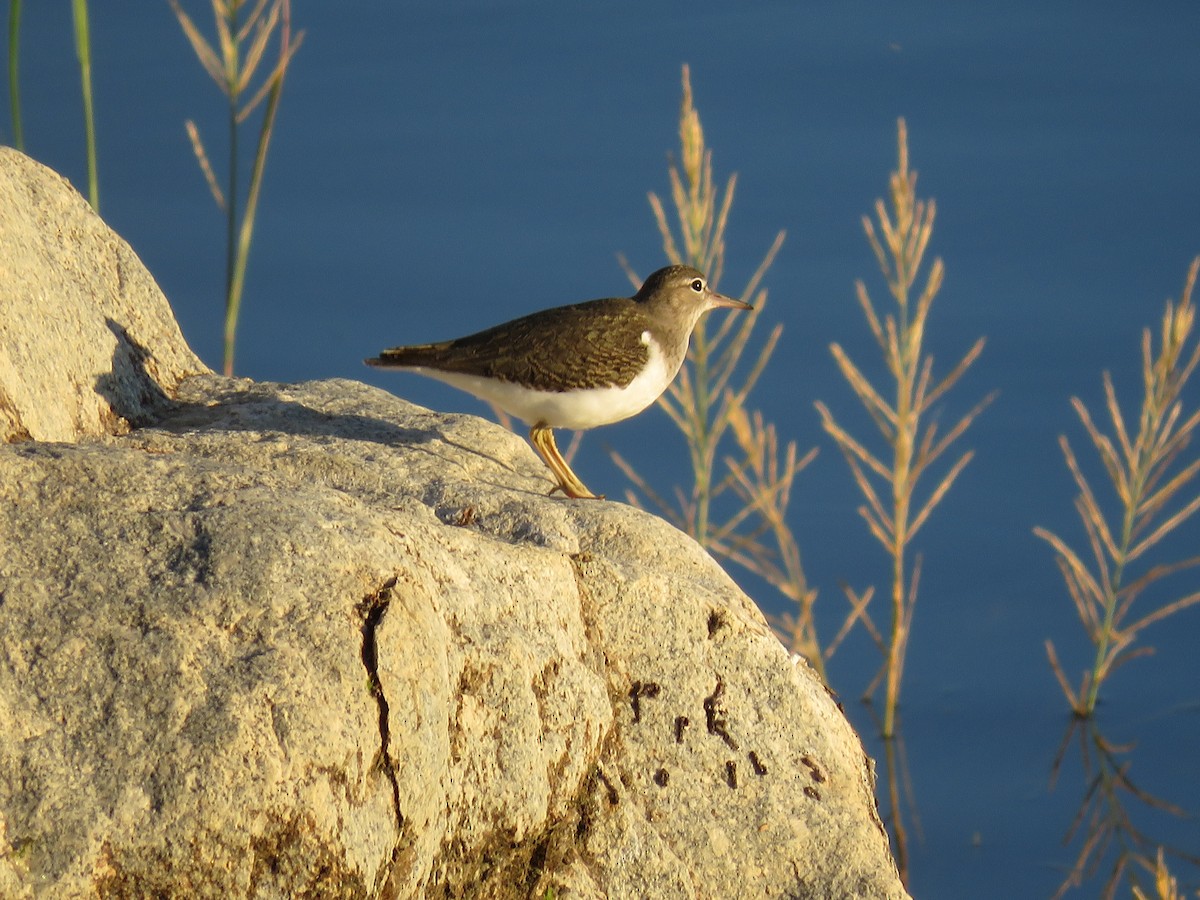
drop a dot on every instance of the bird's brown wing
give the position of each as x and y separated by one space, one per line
604 338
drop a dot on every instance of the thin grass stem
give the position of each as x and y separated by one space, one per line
241 47
83 50
14 70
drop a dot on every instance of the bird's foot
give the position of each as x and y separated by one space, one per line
542 439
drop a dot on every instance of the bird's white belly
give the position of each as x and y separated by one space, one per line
567 409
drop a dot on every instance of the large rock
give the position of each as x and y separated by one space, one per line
315 641
88 343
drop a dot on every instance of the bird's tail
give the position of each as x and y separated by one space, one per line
405 357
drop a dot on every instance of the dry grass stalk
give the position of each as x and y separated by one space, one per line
1152 491
913 443
243 39
700 401
762 479
708 401
1165 885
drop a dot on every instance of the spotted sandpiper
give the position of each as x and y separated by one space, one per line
575 366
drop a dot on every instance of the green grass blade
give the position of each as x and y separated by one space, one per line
14 94
246 232
83 49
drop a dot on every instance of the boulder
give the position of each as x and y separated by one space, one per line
264 640
88 342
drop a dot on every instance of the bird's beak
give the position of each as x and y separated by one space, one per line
715 299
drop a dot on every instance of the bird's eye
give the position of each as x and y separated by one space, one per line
698 286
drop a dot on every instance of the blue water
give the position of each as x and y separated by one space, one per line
439 167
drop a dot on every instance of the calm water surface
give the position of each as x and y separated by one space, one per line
443 166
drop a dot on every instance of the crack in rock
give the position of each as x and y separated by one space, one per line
372 609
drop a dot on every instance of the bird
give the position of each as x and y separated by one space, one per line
577 366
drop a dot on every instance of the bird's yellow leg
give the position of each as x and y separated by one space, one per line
542 439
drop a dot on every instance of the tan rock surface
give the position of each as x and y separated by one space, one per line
88 343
